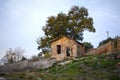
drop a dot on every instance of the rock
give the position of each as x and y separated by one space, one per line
118 56
2 78
65 62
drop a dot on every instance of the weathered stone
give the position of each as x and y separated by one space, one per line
64 47
106 48
65 62
27 65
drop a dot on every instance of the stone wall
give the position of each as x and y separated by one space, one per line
102 49
28 65
118 44
105 48
91 52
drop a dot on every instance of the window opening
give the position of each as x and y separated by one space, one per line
58 49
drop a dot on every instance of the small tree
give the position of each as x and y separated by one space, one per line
88 46
10 56
24 58
19 53
35 58
14 55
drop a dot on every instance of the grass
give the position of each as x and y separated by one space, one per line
93 67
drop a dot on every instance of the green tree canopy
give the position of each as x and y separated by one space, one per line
71 25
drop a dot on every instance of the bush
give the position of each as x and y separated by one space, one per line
2 74
114 77
35 58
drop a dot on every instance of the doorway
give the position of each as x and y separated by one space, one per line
68 51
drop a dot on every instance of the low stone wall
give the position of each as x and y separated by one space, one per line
105 48
91 52
110 46
27 65
102 49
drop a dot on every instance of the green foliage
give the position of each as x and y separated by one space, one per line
105 41
114 77
34 58
23 58
96 67
71 25
115 42
88 46
47 55
108 40
2 74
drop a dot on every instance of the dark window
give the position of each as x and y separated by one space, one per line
58 49
68 51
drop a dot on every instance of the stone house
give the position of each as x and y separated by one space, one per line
64 47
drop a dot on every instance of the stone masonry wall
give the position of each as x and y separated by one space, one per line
27 65
105 48
102 49
118 44
66 42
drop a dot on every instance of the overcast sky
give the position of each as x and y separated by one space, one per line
21 21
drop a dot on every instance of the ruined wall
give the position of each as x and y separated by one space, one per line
80 49
27 65
105 48
91 52
118 44
64 42
113 45
102 49
54 44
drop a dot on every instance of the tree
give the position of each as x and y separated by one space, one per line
88 46
19 53
23 58
71 25
10 56
14 55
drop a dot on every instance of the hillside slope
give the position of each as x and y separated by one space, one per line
95 67
92 67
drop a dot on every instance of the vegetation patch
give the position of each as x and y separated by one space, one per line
93 67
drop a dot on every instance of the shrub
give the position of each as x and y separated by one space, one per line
2 74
